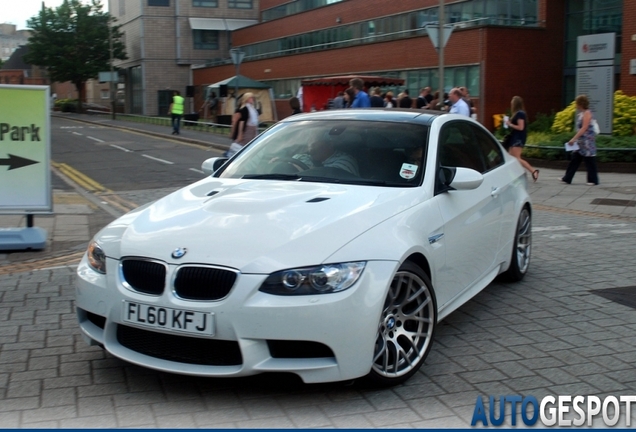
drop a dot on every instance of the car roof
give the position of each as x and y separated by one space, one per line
425 117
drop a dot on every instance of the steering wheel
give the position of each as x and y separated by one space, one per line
287 162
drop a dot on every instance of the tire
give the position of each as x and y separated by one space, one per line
406 328
521 248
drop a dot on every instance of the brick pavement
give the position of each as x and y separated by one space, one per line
549 334
546 335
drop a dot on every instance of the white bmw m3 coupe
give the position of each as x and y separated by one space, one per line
329 247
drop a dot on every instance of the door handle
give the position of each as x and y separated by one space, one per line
495 192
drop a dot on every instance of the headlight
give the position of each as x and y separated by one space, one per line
323 279
96 257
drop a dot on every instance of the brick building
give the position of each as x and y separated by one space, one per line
498 48
163 38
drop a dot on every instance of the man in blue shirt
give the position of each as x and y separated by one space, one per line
362 98
459 104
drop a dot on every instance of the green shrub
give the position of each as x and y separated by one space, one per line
543 123
557 152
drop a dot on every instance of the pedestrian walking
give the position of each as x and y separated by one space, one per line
389 102
176 111
294 104
376 98
209 107
405 101
459 105
339 102
585 138
518 124
349 97
361 98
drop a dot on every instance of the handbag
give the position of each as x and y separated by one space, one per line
595 127
234 148
505 142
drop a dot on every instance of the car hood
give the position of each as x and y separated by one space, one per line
256 226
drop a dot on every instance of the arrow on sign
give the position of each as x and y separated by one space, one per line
14 162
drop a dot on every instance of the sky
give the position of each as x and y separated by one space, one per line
19 11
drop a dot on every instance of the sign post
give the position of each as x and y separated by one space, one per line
595 75
237 58
439 35
25 175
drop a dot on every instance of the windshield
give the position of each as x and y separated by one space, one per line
347 151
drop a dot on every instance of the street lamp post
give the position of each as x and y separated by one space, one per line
113 102
441 50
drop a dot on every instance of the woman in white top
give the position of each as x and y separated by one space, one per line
248 123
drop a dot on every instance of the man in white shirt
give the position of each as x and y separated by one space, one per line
459 104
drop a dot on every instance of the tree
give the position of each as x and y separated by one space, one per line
72 42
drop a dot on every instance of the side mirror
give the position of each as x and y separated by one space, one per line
209 166
466 179
458 178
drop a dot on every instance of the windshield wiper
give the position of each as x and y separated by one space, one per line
271 176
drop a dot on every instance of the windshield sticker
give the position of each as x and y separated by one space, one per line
408 171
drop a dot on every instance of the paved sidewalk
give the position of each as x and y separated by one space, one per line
76 218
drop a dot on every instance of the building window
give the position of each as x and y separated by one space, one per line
465 14
239 4
158 2
205 3
294 7
104 94
206 39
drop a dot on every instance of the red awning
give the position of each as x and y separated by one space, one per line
369 81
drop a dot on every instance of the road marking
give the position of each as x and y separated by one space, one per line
625 231
120 148
84 181
158 160
45 264
558 236
550 228
94 139
598 225
87 183
196 170
77 133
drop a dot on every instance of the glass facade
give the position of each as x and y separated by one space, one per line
137 90
462 76
466 14
239 4
206 39
205 3
294 7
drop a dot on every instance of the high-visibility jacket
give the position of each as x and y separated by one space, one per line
177 104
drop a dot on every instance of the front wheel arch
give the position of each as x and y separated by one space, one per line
406 328
521 247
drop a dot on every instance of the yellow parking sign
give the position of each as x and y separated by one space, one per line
25 148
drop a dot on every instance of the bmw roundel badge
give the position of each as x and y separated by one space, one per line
179 252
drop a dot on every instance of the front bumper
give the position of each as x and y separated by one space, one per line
250 327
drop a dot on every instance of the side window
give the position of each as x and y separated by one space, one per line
490 149
458 147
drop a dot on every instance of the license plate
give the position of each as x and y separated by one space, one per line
186 321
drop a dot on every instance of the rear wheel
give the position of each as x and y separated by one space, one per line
522 247
406 328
